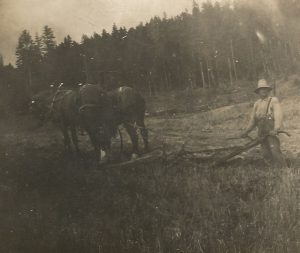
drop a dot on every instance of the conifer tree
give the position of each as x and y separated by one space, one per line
48 40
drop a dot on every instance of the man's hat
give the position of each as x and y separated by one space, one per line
262 83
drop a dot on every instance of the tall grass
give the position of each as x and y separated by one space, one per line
188 208
176 207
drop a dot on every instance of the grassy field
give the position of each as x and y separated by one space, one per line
51 202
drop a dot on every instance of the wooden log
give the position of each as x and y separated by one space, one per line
239 151
147 158
210 150
162 112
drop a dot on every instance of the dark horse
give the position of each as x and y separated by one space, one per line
95 111
128 108
70 109
123 106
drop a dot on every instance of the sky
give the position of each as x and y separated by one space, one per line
76 17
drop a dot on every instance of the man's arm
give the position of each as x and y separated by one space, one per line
278 115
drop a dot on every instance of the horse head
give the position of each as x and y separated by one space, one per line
40 104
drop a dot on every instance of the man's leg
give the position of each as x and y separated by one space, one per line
277 156
266 152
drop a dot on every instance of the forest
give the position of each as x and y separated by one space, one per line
216 44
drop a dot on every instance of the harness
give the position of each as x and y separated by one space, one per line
266 123
63 93
55 99
268 107
82 107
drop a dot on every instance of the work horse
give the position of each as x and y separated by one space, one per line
98 113
123 106
71 109
129 108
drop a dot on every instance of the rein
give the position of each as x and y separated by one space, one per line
83 107
54 100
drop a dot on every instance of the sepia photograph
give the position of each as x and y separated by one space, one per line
149 126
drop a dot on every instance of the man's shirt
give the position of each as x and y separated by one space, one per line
260 111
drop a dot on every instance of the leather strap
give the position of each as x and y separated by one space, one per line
268 107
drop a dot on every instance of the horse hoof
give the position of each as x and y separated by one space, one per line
134 156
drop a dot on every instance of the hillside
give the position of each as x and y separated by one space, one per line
55 202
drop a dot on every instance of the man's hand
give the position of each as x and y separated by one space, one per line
274 132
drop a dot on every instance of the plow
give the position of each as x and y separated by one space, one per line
217 158
213 157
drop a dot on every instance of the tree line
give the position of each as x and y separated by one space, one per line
214 45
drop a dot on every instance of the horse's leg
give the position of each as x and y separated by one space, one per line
96 146
105 144
67 141
134 139
105 154
143 130
75 138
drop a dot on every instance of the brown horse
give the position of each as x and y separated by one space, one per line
129 109
123 106
64 113
96 118
71 109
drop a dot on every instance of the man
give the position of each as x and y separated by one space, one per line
267 116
